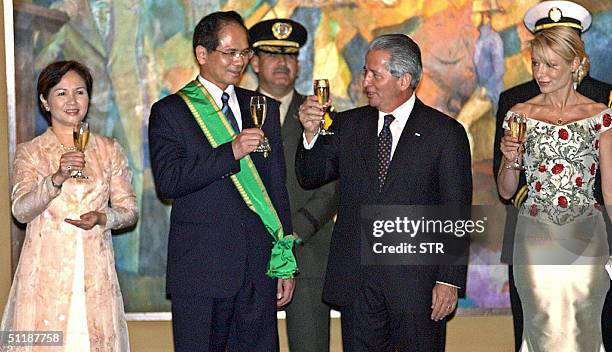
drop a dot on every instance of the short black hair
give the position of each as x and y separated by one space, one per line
53 74
206 32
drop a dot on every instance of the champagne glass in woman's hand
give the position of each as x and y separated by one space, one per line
80 135
517 123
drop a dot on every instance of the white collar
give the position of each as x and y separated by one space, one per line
402 112
215 91
284 100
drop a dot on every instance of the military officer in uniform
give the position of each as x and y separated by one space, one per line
277 43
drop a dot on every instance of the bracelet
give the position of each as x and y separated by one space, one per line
507 165
508 162
54 185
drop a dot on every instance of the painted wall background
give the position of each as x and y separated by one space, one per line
140 51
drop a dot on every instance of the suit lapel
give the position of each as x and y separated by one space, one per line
405 151
245 113
369 137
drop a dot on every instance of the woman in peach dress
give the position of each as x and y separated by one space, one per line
66 280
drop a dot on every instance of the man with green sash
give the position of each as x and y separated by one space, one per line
230 264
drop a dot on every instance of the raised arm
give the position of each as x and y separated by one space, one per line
177 170
319 165
508 178
30 195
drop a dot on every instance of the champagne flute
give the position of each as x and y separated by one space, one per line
321 89
80 136
518 126
258 115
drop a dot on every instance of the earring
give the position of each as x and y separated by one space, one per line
580 73
47 108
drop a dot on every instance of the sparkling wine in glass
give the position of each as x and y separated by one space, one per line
518 126
258 115
80 136
321 90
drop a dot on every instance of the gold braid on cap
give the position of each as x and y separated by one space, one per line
561 24
610 101
278 49
273 42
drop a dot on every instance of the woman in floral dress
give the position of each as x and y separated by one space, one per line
66 280
560 246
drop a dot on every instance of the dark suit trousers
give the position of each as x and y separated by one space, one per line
244 322
606 320
517 311
369 324
308 317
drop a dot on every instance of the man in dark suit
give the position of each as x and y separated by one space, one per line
396 151
590 87
228 201
276 65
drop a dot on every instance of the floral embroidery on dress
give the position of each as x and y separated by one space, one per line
561 162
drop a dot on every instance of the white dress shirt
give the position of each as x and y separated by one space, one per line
216 93
401 115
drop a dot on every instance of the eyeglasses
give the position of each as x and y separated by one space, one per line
237 54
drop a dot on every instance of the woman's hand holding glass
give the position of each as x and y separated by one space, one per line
80 136
69 163
512 142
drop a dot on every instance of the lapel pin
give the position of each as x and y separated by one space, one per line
417 134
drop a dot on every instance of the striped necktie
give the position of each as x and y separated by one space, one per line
228 112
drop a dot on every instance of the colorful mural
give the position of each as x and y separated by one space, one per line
140 51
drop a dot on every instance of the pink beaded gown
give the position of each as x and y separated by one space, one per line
66 279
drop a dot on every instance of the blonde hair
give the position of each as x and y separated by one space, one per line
565 42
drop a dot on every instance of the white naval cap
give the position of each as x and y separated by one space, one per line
557 13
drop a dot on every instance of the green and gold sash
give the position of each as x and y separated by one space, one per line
218 130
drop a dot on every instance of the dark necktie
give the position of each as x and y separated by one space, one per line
228 112
385 139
